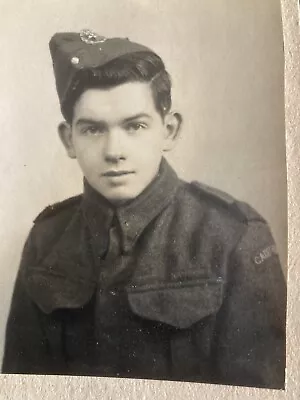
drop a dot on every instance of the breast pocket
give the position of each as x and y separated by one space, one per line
179 304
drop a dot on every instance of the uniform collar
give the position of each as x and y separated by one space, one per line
133 217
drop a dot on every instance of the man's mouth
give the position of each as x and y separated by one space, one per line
114 173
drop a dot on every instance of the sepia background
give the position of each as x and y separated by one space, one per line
226 61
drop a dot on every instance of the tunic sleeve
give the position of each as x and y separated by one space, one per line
26 349
251 323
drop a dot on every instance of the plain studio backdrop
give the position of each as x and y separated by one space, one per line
226 60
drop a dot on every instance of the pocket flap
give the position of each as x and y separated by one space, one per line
51 292
179 304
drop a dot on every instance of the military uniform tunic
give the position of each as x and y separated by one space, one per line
181 283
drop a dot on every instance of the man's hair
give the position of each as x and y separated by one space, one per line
133 67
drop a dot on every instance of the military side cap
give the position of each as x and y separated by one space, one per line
72 52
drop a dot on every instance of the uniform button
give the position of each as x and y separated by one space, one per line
75 60
112 292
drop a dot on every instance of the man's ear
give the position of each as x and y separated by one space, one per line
173 122
65 134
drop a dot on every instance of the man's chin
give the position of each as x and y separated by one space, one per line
118 199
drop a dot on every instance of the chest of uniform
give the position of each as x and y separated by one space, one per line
107 338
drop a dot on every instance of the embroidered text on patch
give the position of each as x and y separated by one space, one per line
265 254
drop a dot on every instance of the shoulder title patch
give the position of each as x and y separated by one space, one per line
264 254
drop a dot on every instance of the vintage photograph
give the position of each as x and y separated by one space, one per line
145 222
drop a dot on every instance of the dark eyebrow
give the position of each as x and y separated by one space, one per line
137 116
82 121
90 121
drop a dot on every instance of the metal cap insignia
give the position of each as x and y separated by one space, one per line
90 37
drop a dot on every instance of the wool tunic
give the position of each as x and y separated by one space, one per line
193 289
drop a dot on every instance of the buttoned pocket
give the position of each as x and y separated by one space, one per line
179 304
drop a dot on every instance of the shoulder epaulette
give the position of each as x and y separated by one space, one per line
249 213
214 193
56 207
241 209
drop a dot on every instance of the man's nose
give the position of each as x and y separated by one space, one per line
114 149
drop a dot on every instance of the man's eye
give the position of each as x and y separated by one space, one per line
91 130
136 126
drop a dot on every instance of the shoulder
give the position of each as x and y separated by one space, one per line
60 209
50 224
230 216
221 203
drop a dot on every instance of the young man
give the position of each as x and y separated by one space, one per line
143 275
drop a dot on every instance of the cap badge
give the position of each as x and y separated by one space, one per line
90 37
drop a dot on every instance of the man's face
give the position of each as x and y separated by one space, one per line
118 138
